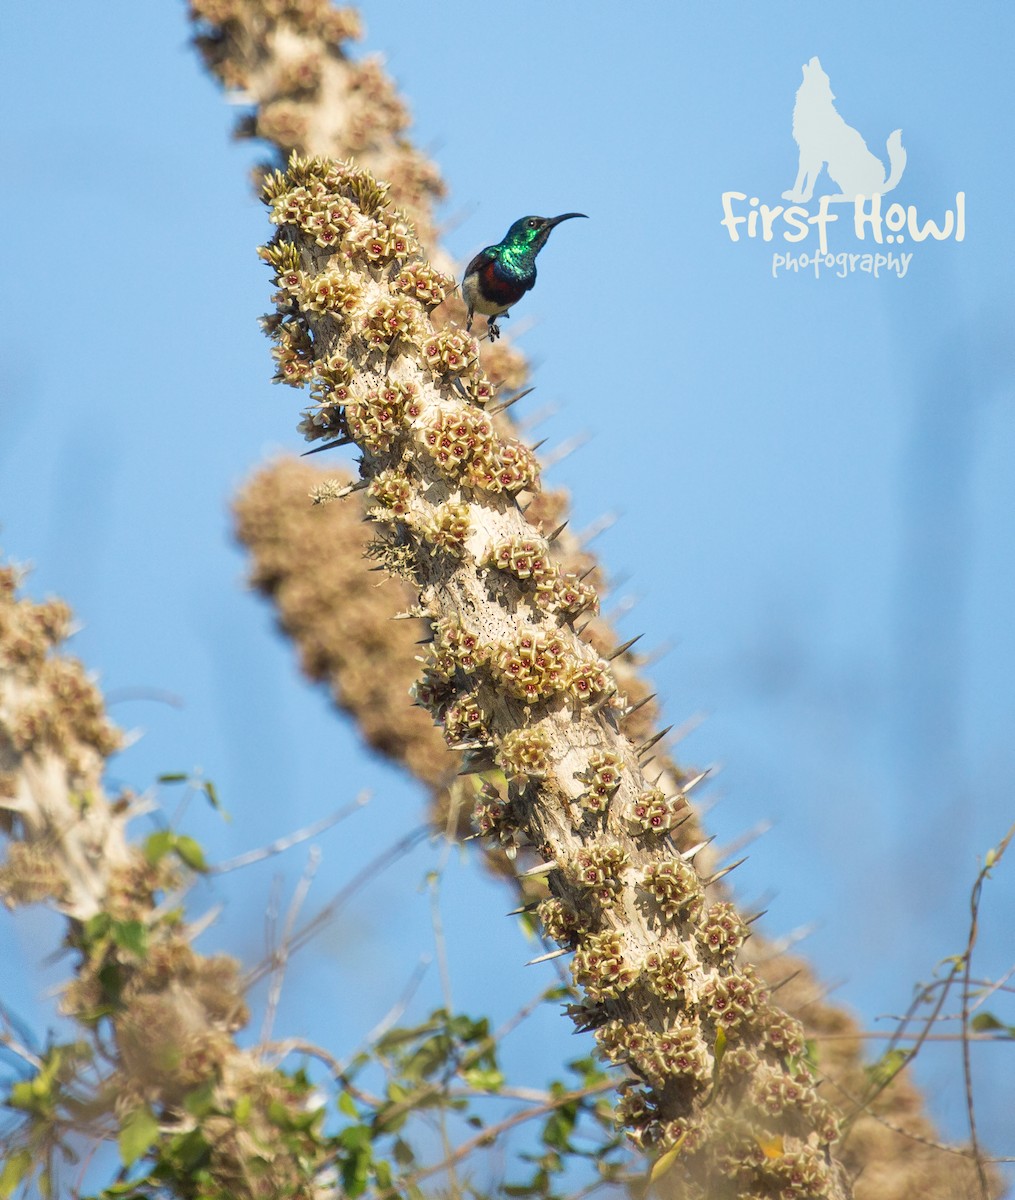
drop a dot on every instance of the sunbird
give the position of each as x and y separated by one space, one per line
499 276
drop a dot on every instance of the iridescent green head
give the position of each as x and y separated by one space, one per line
529 234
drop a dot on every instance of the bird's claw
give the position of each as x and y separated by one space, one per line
493 330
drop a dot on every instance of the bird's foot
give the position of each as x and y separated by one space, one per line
492 330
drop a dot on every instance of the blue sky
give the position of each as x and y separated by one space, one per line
813 476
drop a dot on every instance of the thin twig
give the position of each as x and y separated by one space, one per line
385 859
967 1066
292 839
281 955
493 1132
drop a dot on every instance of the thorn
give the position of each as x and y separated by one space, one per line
647 745
687 855
546 957
541 442
476 765
756 917
524 508
342 441
641 704
644 764
542 869
579 632
725 871
507 403
379 568
425 641
788 979
525 908
626 646
693 783
585 574
560 529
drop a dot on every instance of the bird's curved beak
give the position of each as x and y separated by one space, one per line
563 217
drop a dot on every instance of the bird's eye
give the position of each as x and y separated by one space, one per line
534 223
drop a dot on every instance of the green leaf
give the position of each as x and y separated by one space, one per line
213 799
201 1100
173 777
14 1171
96 928
887 1067
484 1079
158 845
347 1105
987 1023
131 936
191 853
402 1152
137 1133
720 1046
665 1161
242 1109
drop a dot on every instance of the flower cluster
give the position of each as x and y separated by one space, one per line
463 646
734 1000
652 812
333 291
316 210
534 666
600 968
602 777
672 884
392 490
508 466
665 972
449 351
368 79
774 1092
598 869
492 817
375 420
455 437
798 1173
447 527
559 920
783 1033
621 1040
524 752
387 320
588 681
384 239
524 558
478 389
722 932
465 721
562 592
678 1051
293 353
423 283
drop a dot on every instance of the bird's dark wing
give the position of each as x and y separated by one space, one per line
482 258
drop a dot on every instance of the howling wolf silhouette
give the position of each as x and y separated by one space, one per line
825 139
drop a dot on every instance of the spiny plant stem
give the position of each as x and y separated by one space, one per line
718 1086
